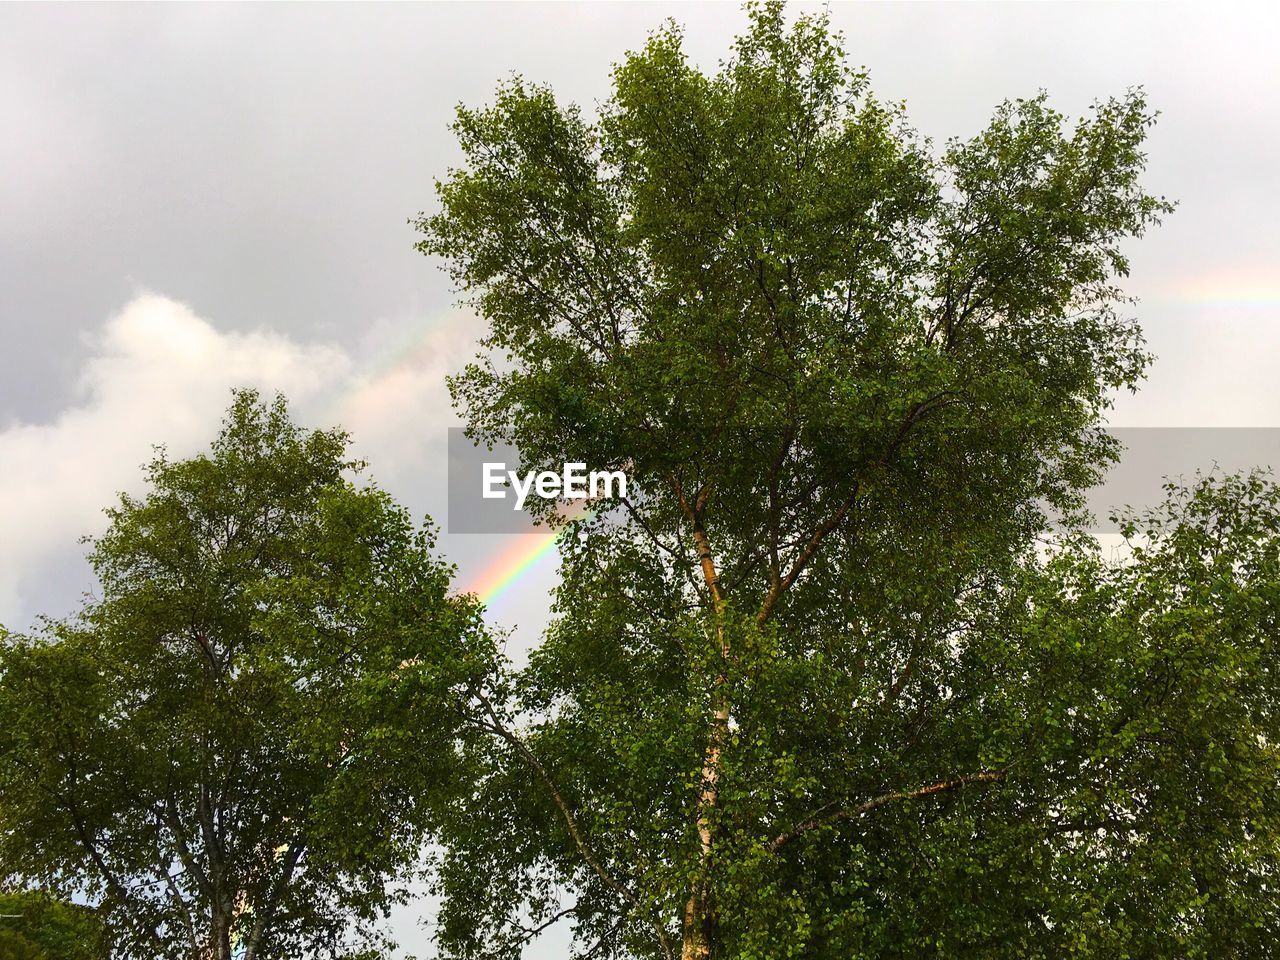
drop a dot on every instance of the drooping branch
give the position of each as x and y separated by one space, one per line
530 933
852 813
180 906
495 725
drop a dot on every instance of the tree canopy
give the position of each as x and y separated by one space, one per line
827 683
236 747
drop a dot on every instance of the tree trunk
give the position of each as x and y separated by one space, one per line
698 933
696 944
220 934
698 930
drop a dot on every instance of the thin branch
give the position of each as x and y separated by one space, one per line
528 933
496 726
181 907
806 554
266 914
852 813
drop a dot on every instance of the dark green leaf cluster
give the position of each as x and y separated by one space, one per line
36 926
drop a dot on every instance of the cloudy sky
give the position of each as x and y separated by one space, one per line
199 196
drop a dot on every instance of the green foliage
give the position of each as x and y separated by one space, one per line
14 946
239 743
36 926
821 687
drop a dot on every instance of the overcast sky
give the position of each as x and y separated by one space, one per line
199 196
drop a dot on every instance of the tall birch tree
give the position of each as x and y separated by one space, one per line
794 701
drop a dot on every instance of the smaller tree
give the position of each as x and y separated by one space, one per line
239 744
14 946
38 926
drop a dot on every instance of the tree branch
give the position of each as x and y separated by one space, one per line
496 726
267 911
806 554
180 906
852 813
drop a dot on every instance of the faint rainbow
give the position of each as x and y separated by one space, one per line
517 560
1255 285
404 355
512 564
1240 298
377 375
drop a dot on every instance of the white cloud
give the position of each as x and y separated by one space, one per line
159 374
